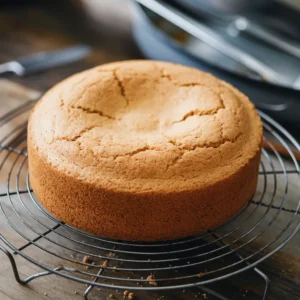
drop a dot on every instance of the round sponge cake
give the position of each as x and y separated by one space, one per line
144 150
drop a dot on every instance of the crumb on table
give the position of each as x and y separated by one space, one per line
131 296
105 264
151 280
86 259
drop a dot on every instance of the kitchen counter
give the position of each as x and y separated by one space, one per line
39 29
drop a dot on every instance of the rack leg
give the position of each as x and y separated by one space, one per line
16 272
267 281
258 271
90 287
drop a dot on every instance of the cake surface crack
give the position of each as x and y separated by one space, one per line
121 86
93 111
197 112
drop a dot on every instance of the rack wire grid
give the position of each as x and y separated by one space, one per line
190 262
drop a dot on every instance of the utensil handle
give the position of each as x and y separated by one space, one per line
244 25
280 149
12 67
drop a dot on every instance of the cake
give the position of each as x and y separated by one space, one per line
144 151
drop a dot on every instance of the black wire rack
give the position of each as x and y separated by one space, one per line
190 262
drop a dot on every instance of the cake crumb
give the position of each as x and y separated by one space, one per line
131 296
201 274
151 280
126 293
111 296
105 264
86 259
45 294
75 292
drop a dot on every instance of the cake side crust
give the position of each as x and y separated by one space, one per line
149 216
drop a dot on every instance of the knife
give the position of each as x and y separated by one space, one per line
45 60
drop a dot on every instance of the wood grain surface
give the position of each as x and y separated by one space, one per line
53 26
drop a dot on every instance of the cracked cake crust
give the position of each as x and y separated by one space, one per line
144 150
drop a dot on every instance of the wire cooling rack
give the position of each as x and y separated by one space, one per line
190 262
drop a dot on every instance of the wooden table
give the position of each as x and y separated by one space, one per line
35 29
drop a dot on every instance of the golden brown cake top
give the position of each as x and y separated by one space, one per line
145 126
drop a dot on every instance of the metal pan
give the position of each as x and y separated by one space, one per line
221 7
158 42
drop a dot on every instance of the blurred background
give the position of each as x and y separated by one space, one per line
252 44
